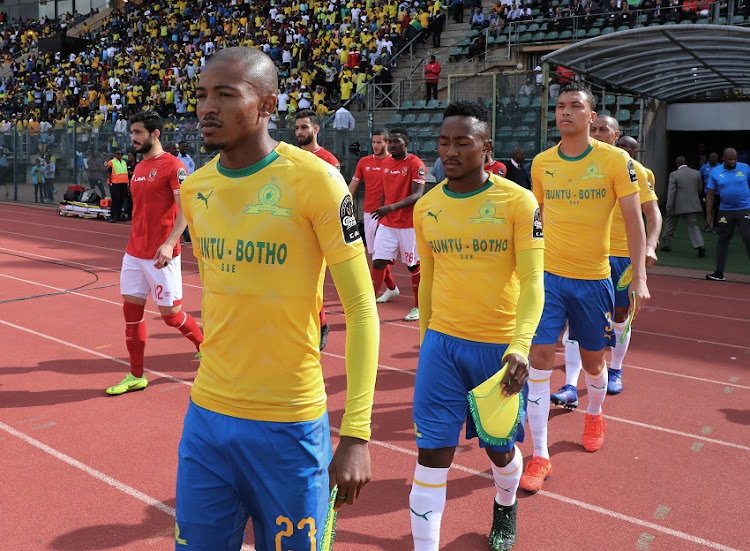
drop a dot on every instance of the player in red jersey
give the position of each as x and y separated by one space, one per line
496 167
306 129
403 185
151 265
370 171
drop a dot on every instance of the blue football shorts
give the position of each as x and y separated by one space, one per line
231 470
619 265
587 305
449 367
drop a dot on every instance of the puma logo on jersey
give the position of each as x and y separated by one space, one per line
535 401
551 173
435 216
204 198
424 515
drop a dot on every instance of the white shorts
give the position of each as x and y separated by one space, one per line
371 226
390 242
139 278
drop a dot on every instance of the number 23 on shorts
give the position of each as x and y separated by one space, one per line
287 530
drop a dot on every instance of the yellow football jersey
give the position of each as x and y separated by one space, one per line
618 241
473 239
579 195
262 235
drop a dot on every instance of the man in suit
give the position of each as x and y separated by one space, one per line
683 200
516 173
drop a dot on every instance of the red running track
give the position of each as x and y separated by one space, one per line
84 471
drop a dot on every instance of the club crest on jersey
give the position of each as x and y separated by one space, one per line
348 220
421 172
487 215
181 175
592 173
403 170
152 175
268 196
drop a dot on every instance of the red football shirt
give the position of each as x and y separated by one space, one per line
327 156
397 179
370 170
496 167
154 186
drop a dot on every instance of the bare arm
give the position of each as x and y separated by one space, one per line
353 185
631 213
653 230
416 192
164 253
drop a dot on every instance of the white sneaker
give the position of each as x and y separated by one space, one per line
413 315
388 295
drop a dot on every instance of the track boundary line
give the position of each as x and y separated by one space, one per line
91 471
92 352
389 368
576 503
189 383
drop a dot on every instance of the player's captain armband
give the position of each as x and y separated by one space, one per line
537 232
349 225
631 171
495 415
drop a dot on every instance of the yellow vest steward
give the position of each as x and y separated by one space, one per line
119 172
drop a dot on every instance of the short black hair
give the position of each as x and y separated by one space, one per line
308 114
473 110
150 120
467 109
578 87
399 130
383 132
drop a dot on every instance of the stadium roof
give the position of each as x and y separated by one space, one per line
668 62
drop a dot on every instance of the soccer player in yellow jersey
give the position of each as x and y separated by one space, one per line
481 294
606 129
578 184
256 441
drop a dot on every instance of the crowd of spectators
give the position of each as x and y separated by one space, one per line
149 56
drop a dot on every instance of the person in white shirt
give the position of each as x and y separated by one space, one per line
343 123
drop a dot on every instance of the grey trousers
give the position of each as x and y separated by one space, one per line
696 239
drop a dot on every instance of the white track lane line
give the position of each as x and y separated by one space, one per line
162 507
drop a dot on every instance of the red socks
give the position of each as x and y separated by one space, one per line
390 283
323 317
377 279
135 336
187 326
415 285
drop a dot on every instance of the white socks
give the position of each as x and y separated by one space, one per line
507 479
573 364
538 409
597 389
620 348
427 502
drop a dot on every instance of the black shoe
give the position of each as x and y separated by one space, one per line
666 249
701 252
324 336
112 220
716 276
503 533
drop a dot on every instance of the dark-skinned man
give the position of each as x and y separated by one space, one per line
256 438
481 298
578 183
729 180
403 183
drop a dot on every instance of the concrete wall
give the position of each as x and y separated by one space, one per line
655 155
721 116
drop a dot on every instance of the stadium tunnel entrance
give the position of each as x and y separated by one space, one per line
691 83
